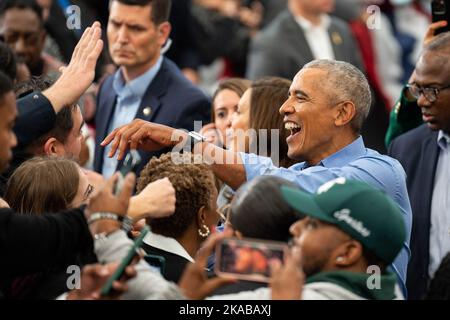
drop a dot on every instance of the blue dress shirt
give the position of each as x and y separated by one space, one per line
129 97
354 162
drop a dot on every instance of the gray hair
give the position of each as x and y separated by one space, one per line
350 84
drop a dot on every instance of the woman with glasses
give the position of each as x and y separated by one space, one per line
46 185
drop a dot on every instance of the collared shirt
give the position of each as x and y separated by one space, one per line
440 207
318 37
129 97
167 244
355 162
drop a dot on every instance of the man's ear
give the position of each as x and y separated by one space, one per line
164 32
347 254
345 113
52 147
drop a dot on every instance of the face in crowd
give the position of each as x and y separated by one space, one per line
225 105
432 74
135 40
8 139
309 116
240 123
23 31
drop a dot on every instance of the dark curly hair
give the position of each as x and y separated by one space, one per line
193 183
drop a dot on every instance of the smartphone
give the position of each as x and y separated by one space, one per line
107 288
158 262
247 259
132 160
440 10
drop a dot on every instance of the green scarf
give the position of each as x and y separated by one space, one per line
357 283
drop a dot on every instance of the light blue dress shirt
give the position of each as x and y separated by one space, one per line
129 97
355 162
440 207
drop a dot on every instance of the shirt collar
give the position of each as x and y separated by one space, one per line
167 244
443 140
135 87
342 157
305 24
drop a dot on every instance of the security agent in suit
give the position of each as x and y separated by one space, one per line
424 153
147 85
294 39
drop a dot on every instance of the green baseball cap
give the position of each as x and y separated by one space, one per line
363 212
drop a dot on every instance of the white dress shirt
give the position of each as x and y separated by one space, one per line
167 244
440 207
318 37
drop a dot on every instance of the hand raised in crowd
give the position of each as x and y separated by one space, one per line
142 135
157 200
287 280
104 200
79 74
431 32
194 282
93 277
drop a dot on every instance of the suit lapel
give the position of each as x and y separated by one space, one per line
430 156
429 159
337 41
151 101
298 40
109 106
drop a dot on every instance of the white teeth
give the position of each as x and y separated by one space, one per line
291 126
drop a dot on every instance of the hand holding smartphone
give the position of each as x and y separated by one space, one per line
248 259
132 160
107 289
440 10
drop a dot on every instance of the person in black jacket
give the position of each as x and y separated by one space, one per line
33 243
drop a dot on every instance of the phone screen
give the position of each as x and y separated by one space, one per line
248 259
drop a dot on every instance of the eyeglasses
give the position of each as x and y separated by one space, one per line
88 192
431 94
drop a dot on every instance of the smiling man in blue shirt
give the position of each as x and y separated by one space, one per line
327 105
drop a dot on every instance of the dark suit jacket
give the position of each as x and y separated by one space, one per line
174 266
173 100
418 152
281 48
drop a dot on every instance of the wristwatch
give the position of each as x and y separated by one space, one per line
195 138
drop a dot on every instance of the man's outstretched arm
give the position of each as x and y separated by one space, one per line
143 135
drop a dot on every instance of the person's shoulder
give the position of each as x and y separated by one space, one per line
414 136
276 28
106 84
180 84
340 24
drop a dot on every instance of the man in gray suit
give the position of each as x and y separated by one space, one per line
300 34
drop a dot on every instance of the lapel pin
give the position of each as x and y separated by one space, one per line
147 111
337 39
